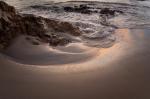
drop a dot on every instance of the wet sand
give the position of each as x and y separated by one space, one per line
24 52
119 72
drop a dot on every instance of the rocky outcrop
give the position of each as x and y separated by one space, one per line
13 24
107 12
84 9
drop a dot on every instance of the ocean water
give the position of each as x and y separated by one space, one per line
24 3
136 14
21 3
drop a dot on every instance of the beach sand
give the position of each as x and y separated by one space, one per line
119 72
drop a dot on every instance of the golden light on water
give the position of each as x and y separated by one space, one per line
102 57
95 58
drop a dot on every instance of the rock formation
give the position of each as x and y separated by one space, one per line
13 24
107 12
84 9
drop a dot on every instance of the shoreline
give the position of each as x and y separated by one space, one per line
120 65
95 54
78 71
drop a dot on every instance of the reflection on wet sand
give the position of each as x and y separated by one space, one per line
119 72
45 55
69 58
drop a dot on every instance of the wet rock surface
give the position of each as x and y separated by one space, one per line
13 24
97 21
107 11
85 9
93 18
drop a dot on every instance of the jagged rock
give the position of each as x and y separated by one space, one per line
69 9
79 9
63 27
13 24
59 41
107 11
85 9
5 7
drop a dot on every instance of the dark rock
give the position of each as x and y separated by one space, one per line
35 43
63 27
12 25
107 11
79 9
6 7
59 41
69 9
